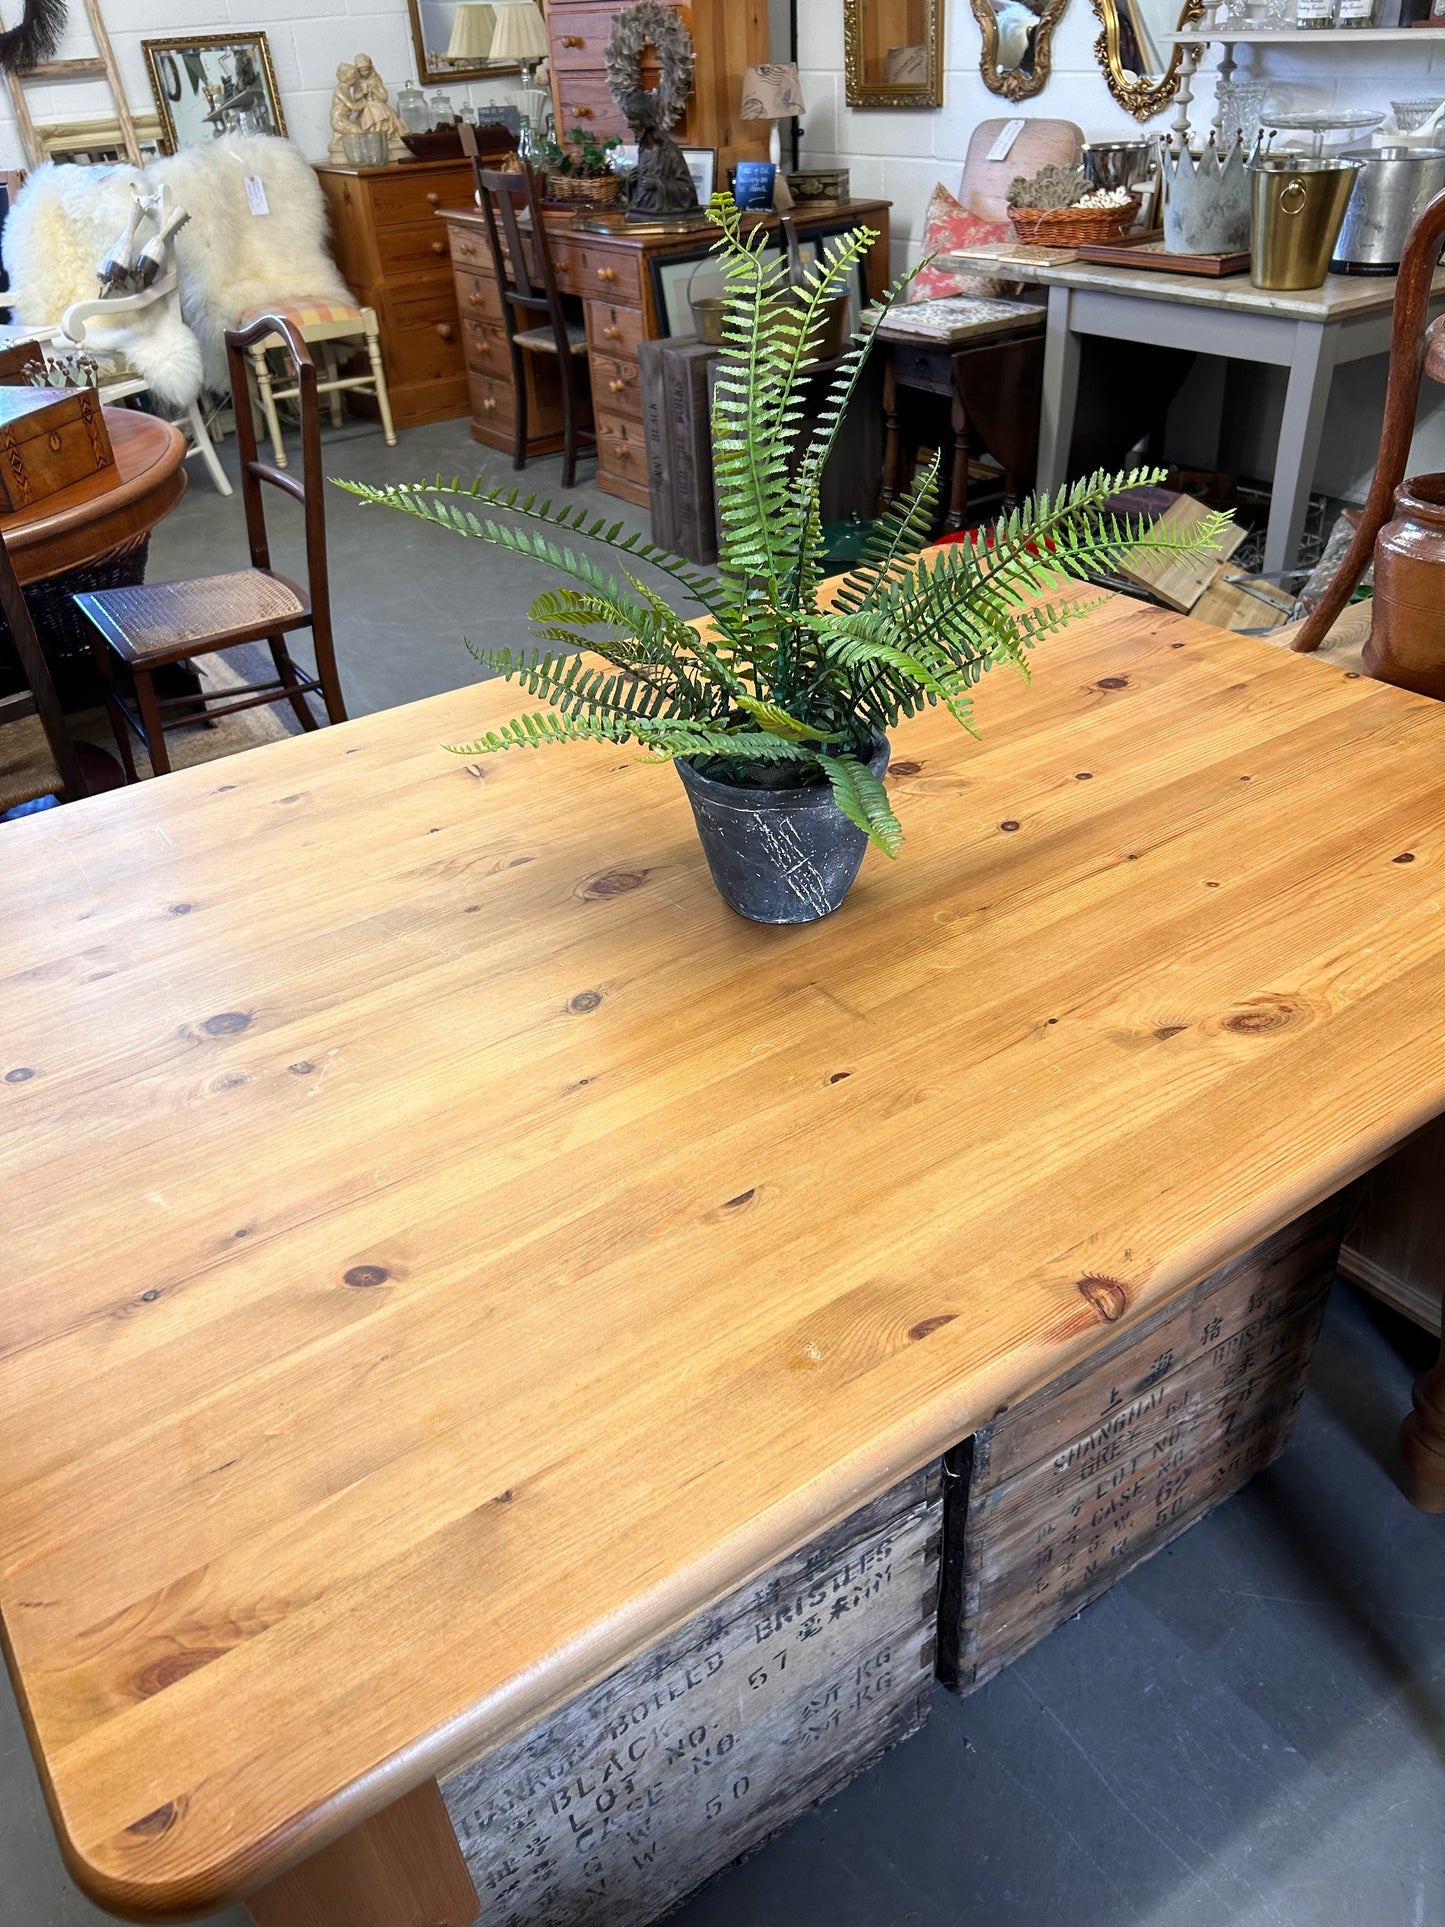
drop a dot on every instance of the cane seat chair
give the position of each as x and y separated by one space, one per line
1417 350
527 283
140 629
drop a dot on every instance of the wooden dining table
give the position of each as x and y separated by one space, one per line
446 1248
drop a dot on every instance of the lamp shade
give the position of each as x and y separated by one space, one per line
520 32
472 28
772 92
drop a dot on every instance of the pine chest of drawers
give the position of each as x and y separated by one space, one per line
392 252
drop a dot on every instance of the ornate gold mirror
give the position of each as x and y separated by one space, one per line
453 40
1016 34
893 53
1142 69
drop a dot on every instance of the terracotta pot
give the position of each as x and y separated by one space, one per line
1407 635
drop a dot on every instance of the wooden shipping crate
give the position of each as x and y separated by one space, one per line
1076 1485
614 1810
53 439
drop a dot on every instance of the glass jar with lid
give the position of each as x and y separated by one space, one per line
442 111
411 105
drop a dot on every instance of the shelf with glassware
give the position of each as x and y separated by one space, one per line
1298 36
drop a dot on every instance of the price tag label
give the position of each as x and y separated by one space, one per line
256 194
1008 134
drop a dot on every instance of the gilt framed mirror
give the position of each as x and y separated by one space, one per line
1016 34
451 39
1139 64
893 53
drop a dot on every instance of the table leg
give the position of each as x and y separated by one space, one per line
1061 390
1306 399
401 1868
958 489
1422 1440
892 450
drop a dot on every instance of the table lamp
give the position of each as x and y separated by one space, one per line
520 35
774 92
473 26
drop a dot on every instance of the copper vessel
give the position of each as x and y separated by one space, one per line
1407 634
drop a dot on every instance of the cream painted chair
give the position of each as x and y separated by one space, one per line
324 323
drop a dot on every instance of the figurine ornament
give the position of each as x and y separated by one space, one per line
662 187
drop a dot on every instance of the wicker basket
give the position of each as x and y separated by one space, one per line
1072 227
581 190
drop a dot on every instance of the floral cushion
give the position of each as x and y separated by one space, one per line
948 226
302 313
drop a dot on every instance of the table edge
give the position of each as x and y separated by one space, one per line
540 1691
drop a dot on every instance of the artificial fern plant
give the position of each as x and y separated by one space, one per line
781 684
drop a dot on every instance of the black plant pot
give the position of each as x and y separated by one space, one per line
778 856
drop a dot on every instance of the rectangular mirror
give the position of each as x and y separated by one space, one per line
209 84
451 38
893 53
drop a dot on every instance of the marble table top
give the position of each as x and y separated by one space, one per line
1341 296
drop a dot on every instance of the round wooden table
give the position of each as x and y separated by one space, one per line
62 534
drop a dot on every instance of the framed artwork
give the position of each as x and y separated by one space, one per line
676 278
211 84
702 165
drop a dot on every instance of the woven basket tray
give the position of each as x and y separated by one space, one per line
579 191
1071 227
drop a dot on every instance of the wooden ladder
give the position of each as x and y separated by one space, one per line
97 66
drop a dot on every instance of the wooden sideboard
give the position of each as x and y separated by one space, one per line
385 239
728 36
612 274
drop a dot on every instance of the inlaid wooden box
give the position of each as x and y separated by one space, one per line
1076 1485
612 1812
52 439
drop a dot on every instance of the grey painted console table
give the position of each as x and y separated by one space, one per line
1310 333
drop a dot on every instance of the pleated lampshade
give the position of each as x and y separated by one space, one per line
473 26
520 32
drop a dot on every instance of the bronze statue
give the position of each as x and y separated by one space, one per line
661 186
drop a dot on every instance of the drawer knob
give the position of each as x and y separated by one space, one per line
445 330
477 300
573 40
611 334
607 274
433 200
582 113
438 247
466 248
489 401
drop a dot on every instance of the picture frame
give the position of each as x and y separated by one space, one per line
672 279
702 165
208 84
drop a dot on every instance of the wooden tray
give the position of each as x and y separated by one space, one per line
1144 251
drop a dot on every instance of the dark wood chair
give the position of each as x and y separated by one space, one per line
141 629
30 768
527 283
1416 350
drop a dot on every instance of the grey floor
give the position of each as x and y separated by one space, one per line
1247 1732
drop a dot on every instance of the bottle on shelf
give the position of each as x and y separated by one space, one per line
1353 14
1314 16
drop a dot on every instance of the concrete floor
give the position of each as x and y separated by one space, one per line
1247 1732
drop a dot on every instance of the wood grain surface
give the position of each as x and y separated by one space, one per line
74 527
446 1248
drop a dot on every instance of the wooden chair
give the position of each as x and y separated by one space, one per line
1415 350
144 628
527 283
327 322
32 764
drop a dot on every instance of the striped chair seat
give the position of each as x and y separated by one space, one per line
303 312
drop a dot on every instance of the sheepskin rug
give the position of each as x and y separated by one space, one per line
63 223
231 259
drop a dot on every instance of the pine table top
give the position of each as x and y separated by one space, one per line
445 1247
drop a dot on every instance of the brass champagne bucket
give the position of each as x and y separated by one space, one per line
1297 209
